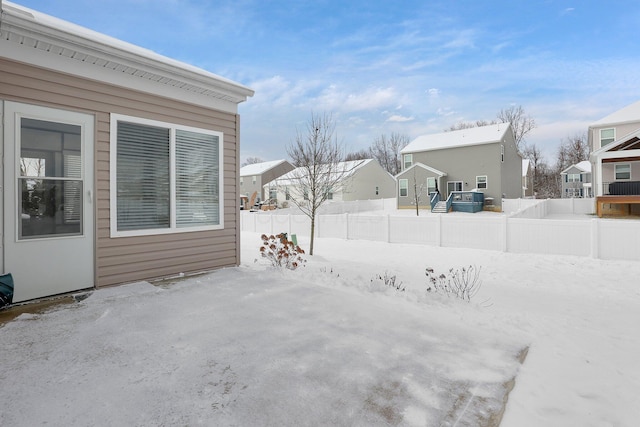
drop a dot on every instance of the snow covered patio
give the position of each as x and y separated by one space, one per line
324 345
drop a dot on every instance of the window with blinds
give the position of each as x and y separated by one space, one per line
196 179
167 177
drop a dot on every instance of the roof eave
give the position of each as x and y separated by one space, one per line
33 30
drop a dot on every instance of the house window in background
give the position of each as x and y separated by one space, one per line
408 160
623 171
431 185
404 187
167 177
607 136
573 177
481 182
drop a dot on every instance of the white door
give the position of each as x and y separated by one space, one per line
48 207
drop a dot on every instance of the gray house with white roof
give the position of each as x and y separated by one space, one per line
576 180
483 159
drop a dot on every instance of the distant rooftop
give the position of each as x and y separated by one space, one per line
458 138
630 113
584 166
525 166
259 168
348 168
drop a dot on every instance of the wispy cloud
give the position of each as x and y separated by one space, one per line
440 61
399 118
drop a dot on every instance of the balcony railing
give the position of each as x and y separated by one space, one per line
621 188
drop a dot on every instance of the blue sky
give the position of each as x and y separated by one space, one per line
412 67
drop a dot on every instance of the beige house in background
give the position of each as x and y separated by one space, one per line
254 177
363 180
482 158
120 164
615 162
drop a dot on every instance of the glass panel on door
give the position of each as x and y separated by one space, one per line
50 186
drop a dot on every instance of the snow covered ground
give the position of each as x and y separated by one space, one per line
324 345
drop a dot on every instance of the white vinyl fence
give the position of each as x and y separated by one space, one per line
582 236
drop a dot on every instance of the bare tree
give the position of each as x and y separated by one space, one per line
469 125
572 150
363 154
418 190
252 160
386 150
320 168
521 123
538 166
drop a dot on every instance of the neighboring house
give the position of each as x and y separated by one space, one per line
615 161
363 180
527 179
482 158
254 177
120 164
576 180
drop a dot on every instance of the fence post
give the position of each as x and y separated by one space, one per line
505 235
595 244
346 225
388 228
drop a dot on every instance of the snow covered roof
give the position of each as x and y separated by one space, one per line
259 168
349 169
584 166
630 113
525 166
458 138
42 40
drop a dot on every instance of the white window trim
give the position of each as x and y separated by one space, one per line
400 187
410 161
113 184
615 172
486 182
600 135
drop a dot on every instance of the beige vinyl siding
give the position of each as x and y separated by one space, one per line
127 259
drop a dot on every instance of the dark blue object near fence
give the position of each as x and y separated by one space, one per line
6 289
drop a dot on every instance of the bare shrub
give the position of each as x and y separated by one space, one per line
389 281
462 283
